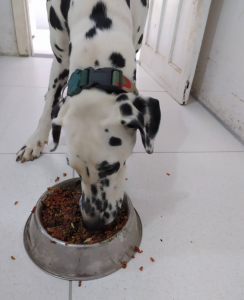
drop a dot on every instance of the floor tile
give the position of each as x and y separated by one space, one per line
188 128
21 108
24 71
193 223
20 278
145 82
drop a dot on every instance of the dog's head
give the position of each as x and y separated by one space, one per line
101 133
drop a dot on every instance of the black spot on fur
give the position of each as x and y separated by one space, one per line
144 2
155 116
59 49
56 80
59 60
54 20
140 119
137 51
64 74
94 190
70 48
65 4
140 104
67 27
103 196
115 214
140 39
105 182
91 33
128 3
67 161
106 215
126 109
57 95
138 28
54 86
87 172
105 204
114 141
96 63
124 163
106 130
110 206
94 199
87 207
117 60
23 148
56 131
134 75
123 122
99 16
98 204
106 169
122 97
120 201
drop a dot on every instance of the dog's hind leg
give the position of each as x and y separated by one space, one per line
59 37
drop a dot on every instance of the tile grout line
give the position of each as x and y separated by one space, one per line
156 152
70 289
46 87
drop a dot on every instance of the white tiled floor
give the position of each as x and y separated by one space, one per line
197 211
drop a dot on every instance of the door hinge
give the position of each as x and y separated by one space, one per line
186 88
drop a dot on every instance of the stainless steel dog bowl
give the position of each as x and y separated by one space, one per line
81 262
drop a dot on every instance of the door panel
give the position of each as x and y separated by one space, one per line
174 34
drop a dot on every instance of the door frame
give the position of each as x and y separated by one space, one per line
22 27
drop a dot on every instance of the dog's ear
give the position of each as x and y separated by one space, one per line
141 113
58 112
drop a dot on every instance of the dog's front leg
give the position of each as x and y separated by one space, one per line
35 144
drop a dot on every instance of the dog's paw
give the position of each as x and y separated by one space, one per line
32 148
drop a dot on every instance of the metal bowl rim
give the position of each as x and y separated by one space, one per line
78 278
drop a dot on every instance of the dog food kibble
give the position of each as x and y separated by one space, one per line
64 174
57 179
168 174
137 249
61 216
124 265
141 268
13 258
133 256
79 285
33 210
152 259
16 202
50 189
52 242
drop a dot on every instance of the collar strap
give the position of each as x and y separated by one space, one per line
107 79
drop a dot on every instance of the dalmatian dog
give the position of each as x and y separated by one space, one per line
100 126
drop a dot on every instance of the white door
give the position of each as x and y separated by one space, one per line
172 42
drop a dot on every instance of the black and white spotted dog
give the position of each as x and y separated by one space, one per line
100 127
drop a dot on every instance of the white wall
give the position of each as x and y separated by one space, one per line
219 79
8 44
